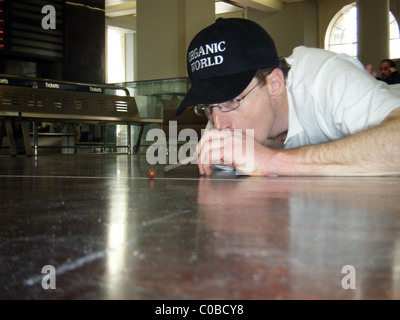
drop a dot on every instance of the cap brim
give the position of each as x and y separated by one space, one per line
216 90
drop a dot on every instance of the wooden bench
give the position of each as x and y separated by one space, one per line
38 104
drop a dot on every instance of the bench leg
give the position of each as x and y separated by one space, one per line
137 145
2 131
11 140
27 141
128 137
35 139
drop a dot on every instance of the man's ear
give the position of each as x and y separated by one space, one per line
275 83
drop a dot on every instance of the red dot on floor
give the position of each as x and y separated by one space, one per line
151 173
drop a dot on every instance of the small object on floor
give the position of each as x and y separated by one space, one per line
183 162
151 173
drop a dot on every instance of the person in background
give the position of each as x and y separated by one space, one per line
388 71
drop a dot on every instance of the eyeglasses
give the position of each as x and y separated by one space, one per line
227 106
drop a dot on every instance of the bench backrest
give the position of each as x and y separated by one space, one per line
71 104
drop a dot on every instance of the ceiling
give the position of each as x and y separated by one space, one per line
116 8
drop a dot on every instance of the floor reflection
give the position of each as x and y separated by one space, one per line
112 233
250 235
117 236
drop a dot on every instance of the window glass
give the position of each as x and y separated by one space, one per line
341 35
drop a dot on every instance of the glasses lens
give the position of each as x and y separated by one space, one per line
206 110
202 110
229 105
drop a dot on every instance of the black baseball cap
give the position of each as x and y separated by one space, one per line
223 58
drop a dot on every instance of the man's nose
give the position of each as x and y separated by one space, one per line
220 119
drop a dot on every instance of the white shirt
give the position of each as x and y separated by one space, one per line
331 96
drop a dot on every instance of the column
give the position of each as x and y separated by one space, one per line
164 30
373 31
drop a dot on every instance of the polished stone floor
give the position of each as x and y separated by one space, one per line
110 232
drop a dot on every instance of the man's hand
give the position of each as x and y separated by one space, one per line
368 68
235 148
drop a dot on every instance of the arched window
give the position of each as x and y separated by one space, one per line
341 36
